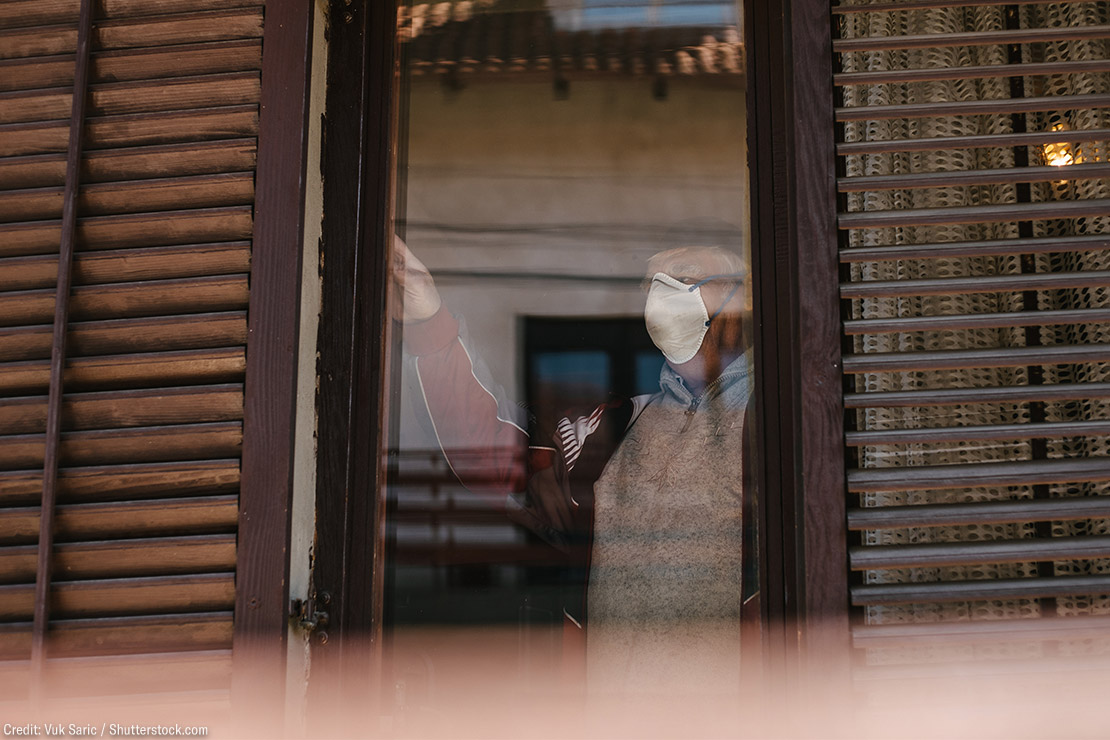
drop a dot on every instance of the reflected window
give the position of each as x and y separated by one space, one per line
573 328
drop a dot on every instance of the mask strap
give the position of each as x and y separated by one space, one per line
731 293
725 303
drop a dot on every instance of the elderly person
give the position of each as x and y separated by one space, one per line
644 495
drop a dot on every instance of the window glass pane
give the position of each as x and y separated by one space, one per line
573 331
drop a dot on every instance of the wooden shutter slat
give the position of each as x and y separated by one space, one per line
33 72
128 265
952 396
129 445
976 321
132 163
112 409
118 98
1061 354
938 143
120 371
937 477
32 171
1069 628
32 306
16 13
1089 171
124 482
993 247
161 517
1009 212
171 160
124 635
187 59
154 194
233 223
144 31
179 28
993 512
979 590
26 306
129 8
903 5
974 553
201 91
159 297
972 107
128 336
124 596
133 64
21 343
906 76
932 435
121 558
972 38
38 41
24 106
137 129
34 138
131 230
217 122
125 300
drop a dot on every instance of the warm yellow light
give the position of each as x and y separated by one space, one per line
1059 154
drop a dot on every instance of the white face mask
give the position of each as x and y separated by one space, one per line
676 318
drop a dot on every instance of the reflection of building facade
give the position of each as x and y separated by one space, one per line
934 465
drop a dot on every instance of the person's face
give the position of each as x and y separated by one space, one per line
677 328
691 265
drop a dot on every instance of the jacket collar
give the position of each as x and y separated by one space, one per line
734 383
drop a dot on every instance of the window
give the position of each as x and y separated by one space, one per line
562 168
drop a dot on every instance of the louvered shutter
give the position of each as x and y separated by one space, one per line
974 150
145 523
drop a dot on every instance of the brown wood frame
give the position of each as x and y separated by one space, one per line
801 466
265 497
347 575
822 572
45 558
798 379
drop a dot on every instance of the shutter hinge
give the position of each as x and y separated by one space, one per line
310 616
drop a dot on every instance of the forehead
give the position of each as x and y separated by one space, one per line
686 262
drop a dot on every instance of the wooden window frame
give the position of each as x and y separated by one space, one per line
270 398
798 378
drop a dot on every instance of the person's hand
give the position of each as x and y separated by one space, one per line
414 284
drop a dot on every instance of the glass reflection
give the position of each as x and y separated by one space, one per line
574 307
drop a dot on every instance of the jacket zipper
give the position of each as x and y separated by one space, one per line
693 407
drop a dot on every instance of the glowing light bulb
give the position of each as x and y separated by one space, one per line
1059 154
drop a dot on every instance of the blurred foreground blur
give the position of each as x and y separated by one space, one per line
480 683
